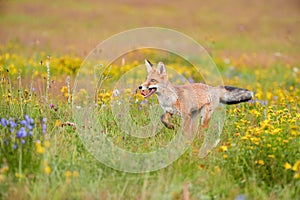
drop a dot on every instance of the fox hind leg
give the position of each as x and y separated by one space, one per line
206 112
165 120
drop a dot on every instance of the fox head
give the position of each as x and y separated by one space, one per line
156 80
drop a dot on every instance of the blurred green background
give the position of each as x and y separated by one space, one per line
226 28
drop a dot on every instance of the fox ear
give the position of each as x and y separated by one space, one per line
148 65
161 69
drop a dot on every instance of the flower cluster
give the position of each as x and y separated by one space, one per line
266 136
17 130
295 168
61 65
70 174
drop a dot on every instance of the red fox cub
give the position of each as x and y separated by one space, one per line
188 100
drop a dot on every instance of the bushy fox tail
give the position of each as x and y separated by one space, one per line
234 95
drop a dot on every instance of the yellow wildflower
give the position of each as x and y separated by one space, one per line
4 169
296 166
217 169
39 148
223 148
75 173
287 166
47 169
18 175
47 144
57 123
68 175
244 138
1 178
271 156
285 141
64 89
261 162
201 166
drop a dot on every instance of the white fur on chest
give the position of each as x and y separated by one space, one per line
167 103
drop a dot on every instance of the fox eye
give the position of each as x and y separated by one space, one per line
152 80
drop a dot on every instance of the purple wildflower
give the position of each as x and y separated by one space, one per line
4 122
15 146
12 124
28 122
29 127
191 80
23 122
26 117
182 79
144 102
139 107
31 121
44 126
21 133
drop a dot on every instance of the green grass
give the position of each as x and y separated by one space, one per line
257 142
254 47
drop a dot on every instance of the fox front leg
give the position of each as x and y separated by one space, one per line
165 120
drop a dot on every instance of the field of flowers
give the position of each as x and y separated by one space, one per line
42 156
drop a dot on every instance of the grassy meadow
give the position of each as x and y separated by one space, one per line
42 155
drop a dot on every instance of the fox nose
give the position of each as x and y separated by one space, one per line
140 87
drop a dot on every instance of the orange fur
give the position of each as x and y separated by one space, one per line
188 100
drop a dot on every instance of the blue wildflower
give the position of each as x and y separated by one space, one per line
23 141
28 122
12 123
144 102
29 127
21 133
4 122
191 80
44 126
15 146
26 117
23 122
